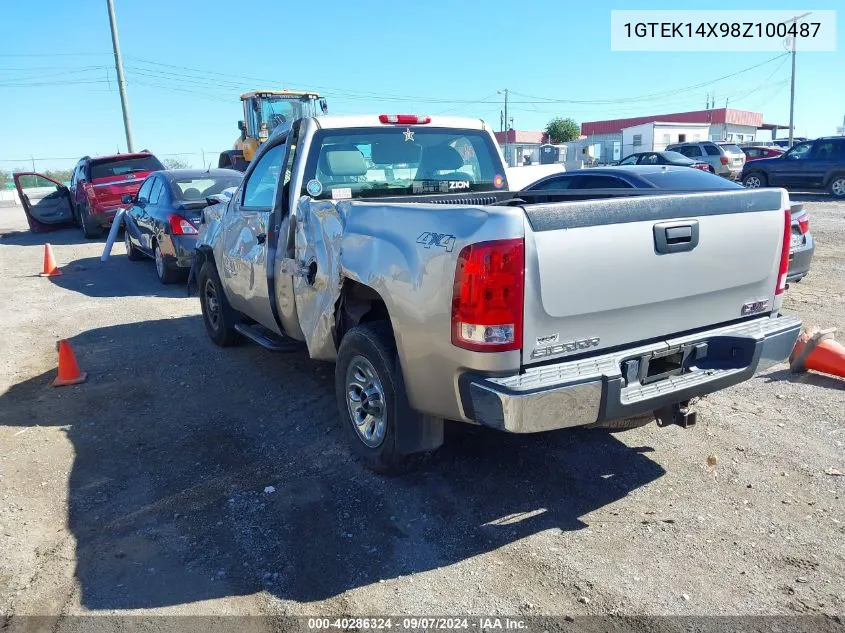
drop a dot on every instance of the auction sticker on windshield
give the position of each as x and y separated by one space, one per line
341 193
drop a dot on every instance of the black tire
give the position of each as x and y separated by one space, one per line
836 186
374 343
754 177
624 424
132 253
166 273
220 320
89 230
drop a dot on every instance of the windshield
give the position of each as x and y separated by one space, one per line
278 110
731 148
199 188
121 166
677 157
399 161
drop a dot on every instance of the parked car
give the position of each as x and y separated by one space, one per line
162 220
802 244
810 165
667 177
663 158
725 159
397 251
755 152
784 142
98 184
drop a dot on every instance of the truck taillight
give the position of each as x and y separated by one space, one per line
723 160
181 226
803 223
487 297
784 252
404 119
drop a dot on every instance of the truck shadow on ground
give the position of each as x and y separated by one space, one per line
177 441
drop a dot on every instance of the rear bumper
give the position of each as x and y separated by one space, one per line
184 248
589 390
800 258
103 217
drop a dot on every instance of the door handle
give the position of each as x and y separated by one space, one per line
675 237
678 234
261 238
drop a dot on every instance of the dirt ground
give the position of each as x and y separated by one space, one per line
145 490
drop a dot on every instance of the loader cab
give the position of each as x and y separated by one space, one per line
264 111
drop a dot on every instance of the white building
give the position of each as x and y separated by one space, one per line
656 136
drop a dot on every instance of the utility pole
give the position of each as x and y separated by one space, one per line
792 81
121 82
507 134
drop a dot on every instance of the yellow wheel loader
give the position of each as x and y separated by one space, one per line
264 110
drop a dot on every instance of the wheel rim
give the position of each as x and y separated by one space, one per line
366 402
838 187
159 262
212 304
753 182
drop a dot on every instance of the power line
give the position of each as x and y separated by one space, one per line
648 97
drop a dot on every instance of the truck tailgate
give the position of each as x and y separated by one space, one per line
612 272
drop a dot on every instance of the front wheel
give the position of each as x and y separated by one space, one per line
754 181
132 253
371 398
837 186
219 317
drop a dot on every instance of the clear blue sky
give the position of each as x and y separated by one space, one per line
60 99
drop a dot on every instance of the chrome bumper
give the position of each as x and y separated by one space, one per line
608 387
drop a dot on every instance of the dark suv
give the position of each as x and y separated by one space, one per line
818 164
98 185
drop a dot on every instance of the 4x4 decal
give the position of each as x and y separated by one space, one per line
441 240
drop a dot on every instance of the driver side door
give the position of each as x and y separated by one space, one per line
243 261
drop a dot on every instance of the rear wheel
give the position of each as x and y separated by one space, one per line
755 180
219 317
90 230
837 186
371 398
167 274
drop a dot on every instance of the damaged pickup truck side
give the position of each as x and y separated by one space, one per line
391 245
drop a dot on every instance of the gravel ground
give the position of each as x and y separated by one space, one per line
170 483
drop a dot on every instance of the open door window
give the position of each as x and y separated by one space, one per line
46 202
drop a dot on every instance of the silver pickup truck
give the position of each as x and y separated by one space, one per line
391 245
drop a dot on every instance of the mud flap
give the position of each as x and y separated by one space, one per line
415 432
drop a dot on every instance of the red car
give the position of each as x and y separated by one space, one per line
754 153
97 186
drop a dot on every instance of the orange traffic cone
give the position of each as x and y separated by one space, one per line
816 350
50 268
69 373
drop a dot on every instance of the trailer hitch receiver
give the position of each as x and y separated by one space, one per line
679 414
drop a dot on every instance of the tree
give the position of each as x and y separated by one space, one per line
560 130
176 163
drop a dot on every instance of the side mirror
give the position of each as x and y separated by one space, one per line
324 106
126 198
241 126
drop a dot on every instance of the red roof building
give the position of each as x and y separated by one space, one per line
717 116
